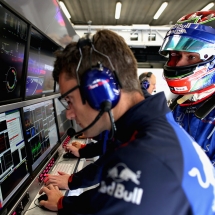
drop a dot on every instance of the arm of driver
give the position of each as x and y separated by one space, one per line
54 194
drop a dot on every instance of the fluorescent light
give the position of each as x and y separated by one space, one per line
118 10
208 7
66 12
160 10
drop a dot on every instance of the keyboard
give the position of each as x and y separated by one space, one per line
69 140
63 167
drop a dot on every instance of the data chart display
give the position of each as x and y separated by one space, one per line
13 39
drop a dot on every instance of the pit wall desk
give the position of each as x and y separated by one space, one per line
31 208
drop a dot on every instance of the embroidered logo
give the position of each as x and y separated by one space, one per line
119 174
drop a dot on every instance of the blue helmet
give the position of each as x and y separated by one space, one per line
194 32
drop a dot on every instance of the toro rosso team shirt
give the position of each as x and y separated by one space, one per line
155 169
201 130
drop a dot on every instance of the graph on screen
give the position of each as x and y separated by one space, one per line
13 156
41 130
13 40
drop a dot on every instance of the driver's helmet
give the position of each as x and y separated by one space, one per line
194 32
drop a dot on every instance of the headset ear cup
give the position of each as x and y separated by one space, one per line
145 84
99 86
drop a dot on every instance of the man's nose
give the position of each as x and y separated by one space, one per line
181 62
70 114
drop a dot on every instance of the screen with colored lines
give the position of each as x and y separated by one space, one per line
41 130
13 40
40 65
13 156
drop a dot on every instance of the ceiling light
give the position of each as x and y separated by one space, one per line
66 12
118 10
208 7
160 10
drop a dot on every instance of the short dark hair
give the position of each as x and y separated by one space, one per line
144 76
108 43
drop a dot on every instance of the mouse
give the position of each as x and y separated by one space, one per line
69 155
45 198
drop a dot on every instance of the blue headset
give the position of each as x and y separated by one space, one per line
145 83
99 86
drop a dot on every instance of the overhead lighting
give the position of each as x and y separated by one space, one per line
66 12
118 10
208 7
160 10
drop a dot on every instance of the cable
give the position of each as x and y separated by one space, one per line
71 132
36 205
113 126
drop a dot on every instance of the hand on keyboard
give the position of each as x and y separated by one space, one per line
60 180
78 145
72 149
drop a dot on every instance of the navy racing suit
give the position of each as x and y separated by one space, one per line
201 130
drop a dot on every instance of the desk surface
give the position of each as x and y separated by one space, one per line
32 208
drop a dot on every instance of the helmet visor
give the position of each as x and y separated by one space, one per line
186 44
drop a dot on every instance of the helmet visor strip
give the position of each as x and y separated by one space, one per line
187 44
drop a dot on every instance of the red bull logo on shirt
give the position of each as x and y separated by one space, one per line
121 173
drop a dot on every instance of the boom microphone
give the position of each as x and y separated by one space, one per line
105 107
71 132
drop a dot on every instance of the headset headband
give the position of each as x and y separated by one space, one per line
149 74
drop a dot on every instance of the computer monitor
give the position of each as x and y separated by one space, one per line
40 65
41 130
13 40
63 123
13 157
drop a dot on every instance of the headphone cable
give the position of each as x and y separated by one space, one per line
71 132
113 126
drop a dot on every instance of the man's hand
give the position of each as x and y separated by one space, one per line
54 194
73 149
77 144
60 180
81 136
